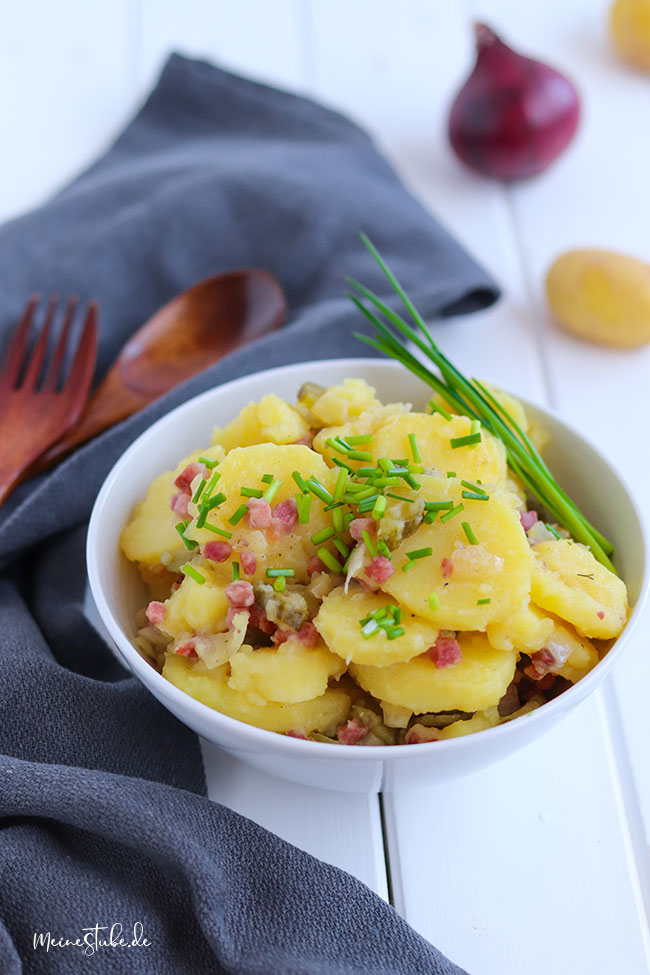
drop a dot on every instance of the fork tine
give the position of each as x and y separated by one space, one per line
16 351
52 377
38 355
83 365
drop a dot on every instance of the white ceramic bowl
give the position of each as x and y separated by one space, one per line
119 592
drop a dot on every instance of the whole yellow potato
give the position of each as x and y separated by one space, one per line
629 28
601 296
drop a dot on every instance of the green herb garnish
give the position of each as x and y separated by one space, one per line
209 462
419 553
469 534
237 515
189 570
328 559
190 544
235 571
454 511
276 573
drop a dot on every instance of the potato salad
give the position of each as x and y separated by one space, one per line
355 572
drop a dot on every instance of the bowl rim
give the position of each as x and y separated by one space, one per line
301 748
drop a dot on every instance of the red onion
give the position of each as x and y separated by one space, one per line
513 116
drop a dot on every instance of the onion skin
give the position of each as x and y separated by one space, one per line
513 116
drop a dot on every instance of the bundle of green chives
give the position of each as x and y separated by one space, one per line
470 398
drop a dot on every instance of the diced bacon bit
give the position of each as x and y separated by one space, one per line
308 634
156 612
445 652
352 732
259 513
296 734
184 480
176 585
315 565
240 594
413 738
380 569
248 562
217 551
600 614
446 567
260 620
528 519
178 503
306 439
541 662
542 681
280 636
284 516
360 525
187 650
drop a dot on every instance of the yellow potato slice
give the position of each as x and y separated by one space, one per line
271 420
195 608
324 713
338 623
526 630
339 404
569 582
485 461
496 569
287 674
478 682
581 655
369 422
150 532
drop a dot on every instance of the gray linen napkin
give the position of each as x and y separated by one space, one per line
103 815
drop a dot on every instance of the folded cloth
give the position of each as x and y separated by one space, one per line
103 812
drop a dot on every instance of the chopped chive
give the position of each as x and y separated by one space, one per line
369 628
341 481
468 441
475 426
437 505
385 481
280 584
398 497
189 570
303 503
190 544
276 573
199 491
217 531
338 520
398 471
473 496
552 530
473 487
328 559
394 632
209 462
359 455
370 545
365 493
335 444
355 486
250 492
412 483
430 517
469 533
454 511
367 505
401 462
267 478
322 536
386 463
415 450
451 473
333 506
369 471
383 549
408 565
210 486
213 502
437 408
341 463
298 478
272 490
317 488
415 469
203 514
235 571
348 517
360 438
341 546
483 602
379 507
419 553
238 514
433 601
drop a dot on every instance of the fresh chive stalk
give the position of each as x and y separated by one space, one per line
193 573
469 398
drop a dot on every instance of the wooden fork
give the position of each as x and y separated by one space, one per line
35 409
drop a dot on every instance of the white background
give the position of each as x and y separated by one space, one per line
539 864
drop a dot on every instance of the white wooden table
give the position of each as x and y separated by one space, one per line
540 864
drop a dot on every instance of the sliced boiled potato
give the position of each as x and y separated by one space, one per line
485 461
271 420
150 532
578 653
526 630
341 403
324 713
338 622
569 582
369 422
287 674
496 569
477 682
195 608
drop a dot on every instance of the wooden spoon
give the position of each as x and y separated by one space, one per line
185 336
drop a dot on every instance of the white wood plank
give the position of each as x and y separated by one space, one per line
339 828
65 79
